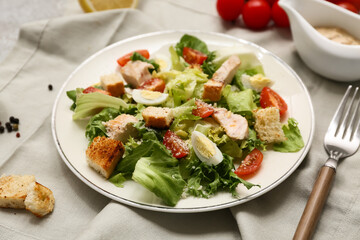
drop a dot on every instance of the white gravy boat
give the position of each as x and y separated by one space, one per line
330 59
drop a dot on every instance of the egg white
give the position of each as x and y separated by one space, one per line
137 96
212 160
163 61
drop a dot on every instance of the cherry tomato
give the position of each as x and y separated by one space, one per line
356 3
124 59
269 98
94 89
229 10
279 15
347 6
193 56
175 144
250 164
271 2
154 84
256 14
202 109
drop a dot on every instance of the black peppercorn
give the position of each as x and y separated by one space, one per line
8 127
50 87
2 129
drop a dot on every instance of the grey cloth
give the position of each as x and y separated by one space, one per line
48 51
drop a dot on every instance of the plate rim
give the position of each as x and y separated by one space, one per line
167 208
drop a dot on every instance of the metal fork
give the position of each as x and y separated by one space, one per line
342 140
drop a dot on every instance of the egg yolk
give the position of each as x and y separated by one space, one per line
151 95
204 146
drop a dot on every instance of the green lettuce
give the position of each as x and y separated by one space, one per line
204 180
160 174
182 86
191 42
294 140
92 103
152 165
184 112
177 62
241 102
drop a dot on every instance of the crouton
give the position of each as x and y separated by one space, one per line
39 200
13 190
113 83
137 72
121 128
157 117
212 90
235 125
268 125
227 70
103 154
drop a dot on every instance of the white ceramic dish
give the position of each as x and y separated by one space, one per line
69 135
330 59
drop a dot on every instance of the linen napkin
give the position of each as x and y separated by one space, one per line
48 51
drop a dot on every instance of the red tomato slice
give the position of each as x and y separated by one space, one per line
93 89
202 109
250 164
269 98
175 144
193 56
154 84
124 59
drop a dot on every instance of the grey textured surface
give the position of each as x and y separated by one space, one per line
14 13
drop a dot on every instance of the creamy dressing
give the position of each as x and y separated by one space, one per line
338 35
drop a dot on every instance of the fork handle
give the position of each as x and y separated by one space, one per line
315 204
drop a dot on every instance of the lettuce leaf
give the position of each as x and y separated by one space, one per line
92 103
204 180
191 42
294 140
182 86
184 112
160 174
241 102
177 63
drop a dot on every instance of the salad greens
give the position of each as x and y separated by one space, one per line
146 159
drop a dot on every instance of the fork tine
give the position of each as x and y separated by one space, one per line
349 133
347 125
356 132
339 112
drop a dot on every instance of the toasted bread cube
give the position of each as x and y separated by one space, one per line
103 154
157 117
13 190
121 128
268 125
40 200
212 90
113 83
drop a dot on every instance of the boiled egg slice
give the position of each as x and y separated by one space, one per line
163 61
256 82
148 97
205 149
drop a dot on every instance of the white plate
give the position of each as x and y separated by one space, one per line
69 135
